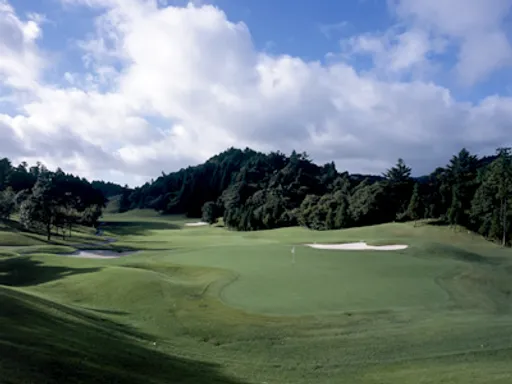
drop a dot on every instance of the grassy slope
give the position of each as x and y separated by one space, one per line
437 312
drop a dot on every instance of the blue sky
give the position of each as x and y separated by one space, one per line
123 89
309 29
306 28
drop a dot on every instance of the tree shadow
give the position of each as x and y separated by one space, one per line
137 228
107 311
45 342
24 271
456 253
9 225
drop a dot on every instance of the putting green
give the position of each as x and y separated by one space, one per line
323 281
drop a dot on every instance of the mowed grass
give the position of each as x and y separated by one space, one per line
205 304
268 281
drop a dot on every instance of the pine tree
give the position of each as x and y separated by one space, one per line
414 210
399 186
503 179
461 178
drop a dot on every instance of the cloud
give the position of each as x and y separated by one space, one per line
166 86
20 63
395 53
477 27
328 30
11 144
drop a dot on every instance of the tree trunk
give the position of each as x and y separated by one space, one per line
49 230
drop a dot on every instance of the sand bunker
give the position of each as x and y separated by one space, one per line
99 254
198 224
361 246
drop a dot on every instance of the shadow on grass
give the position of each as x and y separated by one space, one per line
137 228
44 342
24 272
8 225
107 311
448 251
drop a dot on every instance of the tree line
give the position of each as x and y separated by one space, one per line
251 191
48 201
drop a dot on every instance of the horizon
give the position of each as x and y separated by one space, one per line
163 173
122 90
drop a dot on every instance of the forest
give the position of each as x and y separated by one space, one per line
251 190
46 201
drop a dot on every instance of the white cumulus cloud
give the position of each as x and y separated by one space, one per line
167 86
478 28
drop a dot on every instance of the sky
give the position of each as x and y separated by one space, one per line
122 90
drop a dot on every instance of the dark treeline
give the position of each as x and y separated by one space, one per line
253 191
47 201
108 188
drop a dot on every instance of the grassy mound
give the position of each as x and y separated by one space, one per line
45 342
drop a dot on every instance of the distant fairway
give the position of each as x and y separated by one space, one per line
209 305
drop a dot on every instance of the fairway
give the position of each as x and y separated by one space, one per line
215 305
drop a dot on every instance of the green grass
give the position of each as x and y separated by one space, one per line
223 306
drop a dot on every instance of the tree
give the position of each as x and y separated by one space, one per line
90 215
7 203
124 201
461 176
399 173
5 171
399 186
210 212
414 210
41 207
370 204
503 166
491 205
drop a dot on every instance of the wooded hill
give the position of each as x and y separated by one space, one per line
253 190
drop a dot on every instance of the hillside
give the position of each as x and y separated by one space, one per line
252 191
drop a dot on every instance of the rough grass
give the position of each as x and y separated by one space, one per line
231 307
45 342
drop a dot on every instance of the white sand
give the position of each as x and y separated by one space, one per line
100 254
361 246
198 224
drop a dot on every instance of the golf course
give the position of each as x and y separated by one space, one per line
204 304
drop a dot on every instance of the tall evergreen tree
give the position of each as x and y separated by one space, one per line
399 186
503 166
414 210
399 173
461 175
